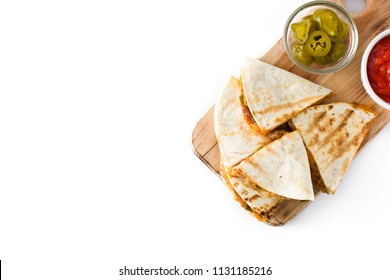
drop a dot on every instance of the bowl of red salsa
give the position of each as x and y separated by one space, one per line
375 69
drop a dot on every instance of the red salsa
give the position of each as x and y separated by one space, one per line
378 68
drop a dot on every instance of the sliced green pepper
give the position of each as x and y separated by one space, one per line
323 59
315 24
301 54
302 29
328 21
318 44
337 51
342 31
309 17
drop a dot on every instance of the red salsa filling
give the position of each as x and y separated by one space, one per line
378 68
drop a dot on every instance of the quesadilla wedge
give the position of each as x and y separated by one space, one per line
281 168
235 137
332 134
260 203
274 95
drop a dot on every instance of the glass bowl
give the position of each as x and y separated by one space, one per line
350 40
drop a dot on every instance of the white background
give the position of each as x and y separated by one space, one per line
98 100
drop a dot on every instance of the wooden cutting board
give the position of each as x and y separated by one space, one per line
346 85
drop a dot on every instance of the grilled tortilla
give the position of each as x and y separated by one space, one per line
332 134
274 95
260 203
235 137
281 168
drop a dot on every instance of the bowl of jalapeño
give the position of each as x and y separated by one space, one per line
320 37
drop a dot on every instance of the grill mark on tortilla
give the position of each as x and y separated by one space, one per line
253 197
345 164
283 118
270 212
332 133
271 150
319 117
315 122
314 140
241 174
343 146
254 164
331 121
276 108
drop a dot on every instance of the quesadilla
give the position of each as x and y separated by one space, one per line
274 95
260 203
281 168
235 137
332 134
